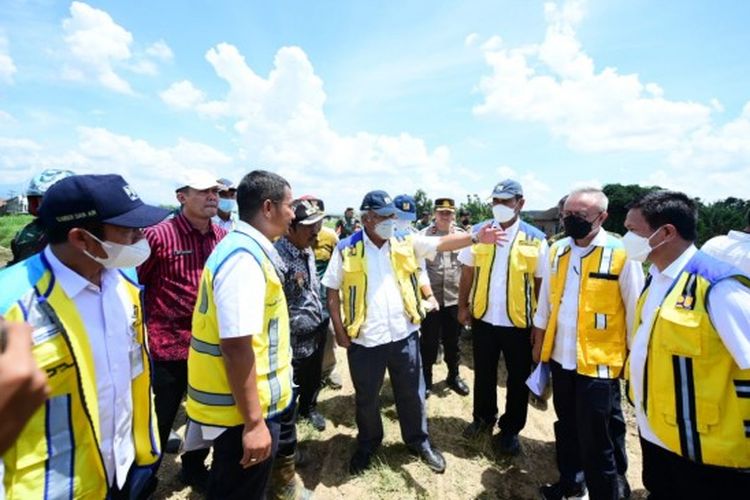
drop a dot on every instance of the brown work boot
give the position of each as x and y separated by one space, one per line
285 484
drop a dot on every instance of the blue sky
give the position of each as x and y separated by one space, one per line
344 97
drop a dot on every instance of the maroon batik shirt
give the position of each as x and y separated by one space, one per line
171 276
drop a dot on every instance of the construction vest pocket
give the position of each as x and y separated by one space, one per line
528 257
601 296
704 417
682 337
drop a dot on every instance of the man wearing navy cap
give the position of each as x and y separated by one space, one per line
96 435
373 275
497 297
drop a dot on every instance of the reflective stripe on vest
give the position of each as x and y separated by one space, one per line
57 455
696 398
354 283
210 400
601 324
521 266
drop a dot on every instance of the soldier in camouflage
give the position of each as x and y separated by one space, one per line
31 239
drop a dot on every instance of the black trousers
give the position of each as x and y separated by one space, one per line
590 431
170 385
667 475
488 342
228 480
440 326
307 373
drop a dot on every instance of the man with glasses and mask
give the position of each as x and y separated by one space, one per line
689 364
226 209
95 436
372 279
179 249
586 307
497 296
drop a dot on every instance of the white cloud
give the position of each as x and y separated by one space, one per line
536 192
7 66
281 124
99 47
556 83
152 170
471 39
160 50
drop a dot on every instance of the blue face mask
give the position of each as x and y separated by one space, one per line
227 205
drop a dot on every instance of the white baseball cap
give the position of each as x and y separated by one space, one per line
197 179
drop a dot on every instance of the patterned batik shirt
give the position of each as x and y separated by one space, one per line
302 290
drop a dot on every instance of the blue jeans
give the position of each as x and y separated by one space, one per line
367 367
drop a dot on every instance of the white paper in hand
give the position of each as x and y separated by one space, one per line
538 380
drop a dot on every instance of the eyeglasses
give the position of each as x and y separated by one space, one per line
581 214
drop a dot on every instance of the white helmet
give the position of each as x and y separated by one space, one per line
42 181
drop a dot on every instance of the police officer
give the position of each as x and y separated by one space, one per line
441 325
96 436
689 364
31 239
497 296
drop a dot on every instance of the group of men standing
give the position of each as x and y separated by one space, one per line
239 319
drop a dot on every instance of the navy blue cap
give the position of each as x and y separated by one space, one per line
507 189
379 202
406 207
104 198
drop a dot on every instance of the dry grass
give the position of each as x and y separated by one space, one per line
473 470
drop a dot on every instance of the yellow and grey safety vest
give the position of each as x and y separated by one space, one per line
209 395
522 264
696 398
354 283
58 454
601 343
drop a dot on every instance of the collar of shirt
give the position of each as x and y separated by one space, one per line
183 224
292 249
673 270
72 282
511 231
264 242
368 243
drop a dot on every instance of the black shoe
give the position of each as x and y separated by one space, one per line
509 445
537 402
333 383
197 478
360 462
623 488
432 457
476 428
316 420
558 491
457 384
173 443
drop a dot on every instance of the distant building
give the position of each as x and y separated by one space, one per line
15 205
546 220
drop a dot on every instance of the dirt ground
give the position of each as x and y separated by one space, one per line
473 471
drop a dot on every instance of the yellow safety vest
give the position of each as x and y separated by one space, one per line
58 455
354 284
696 398
601 335
209 395
522 264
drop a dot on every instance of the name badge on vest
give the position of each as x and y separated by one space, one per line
136 359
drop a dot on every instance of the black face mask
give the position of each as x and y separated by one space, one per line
577 227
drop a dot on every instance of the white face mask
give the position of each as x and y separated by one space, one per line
503 214
404 226
638 248
122 256
227 205
385 229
